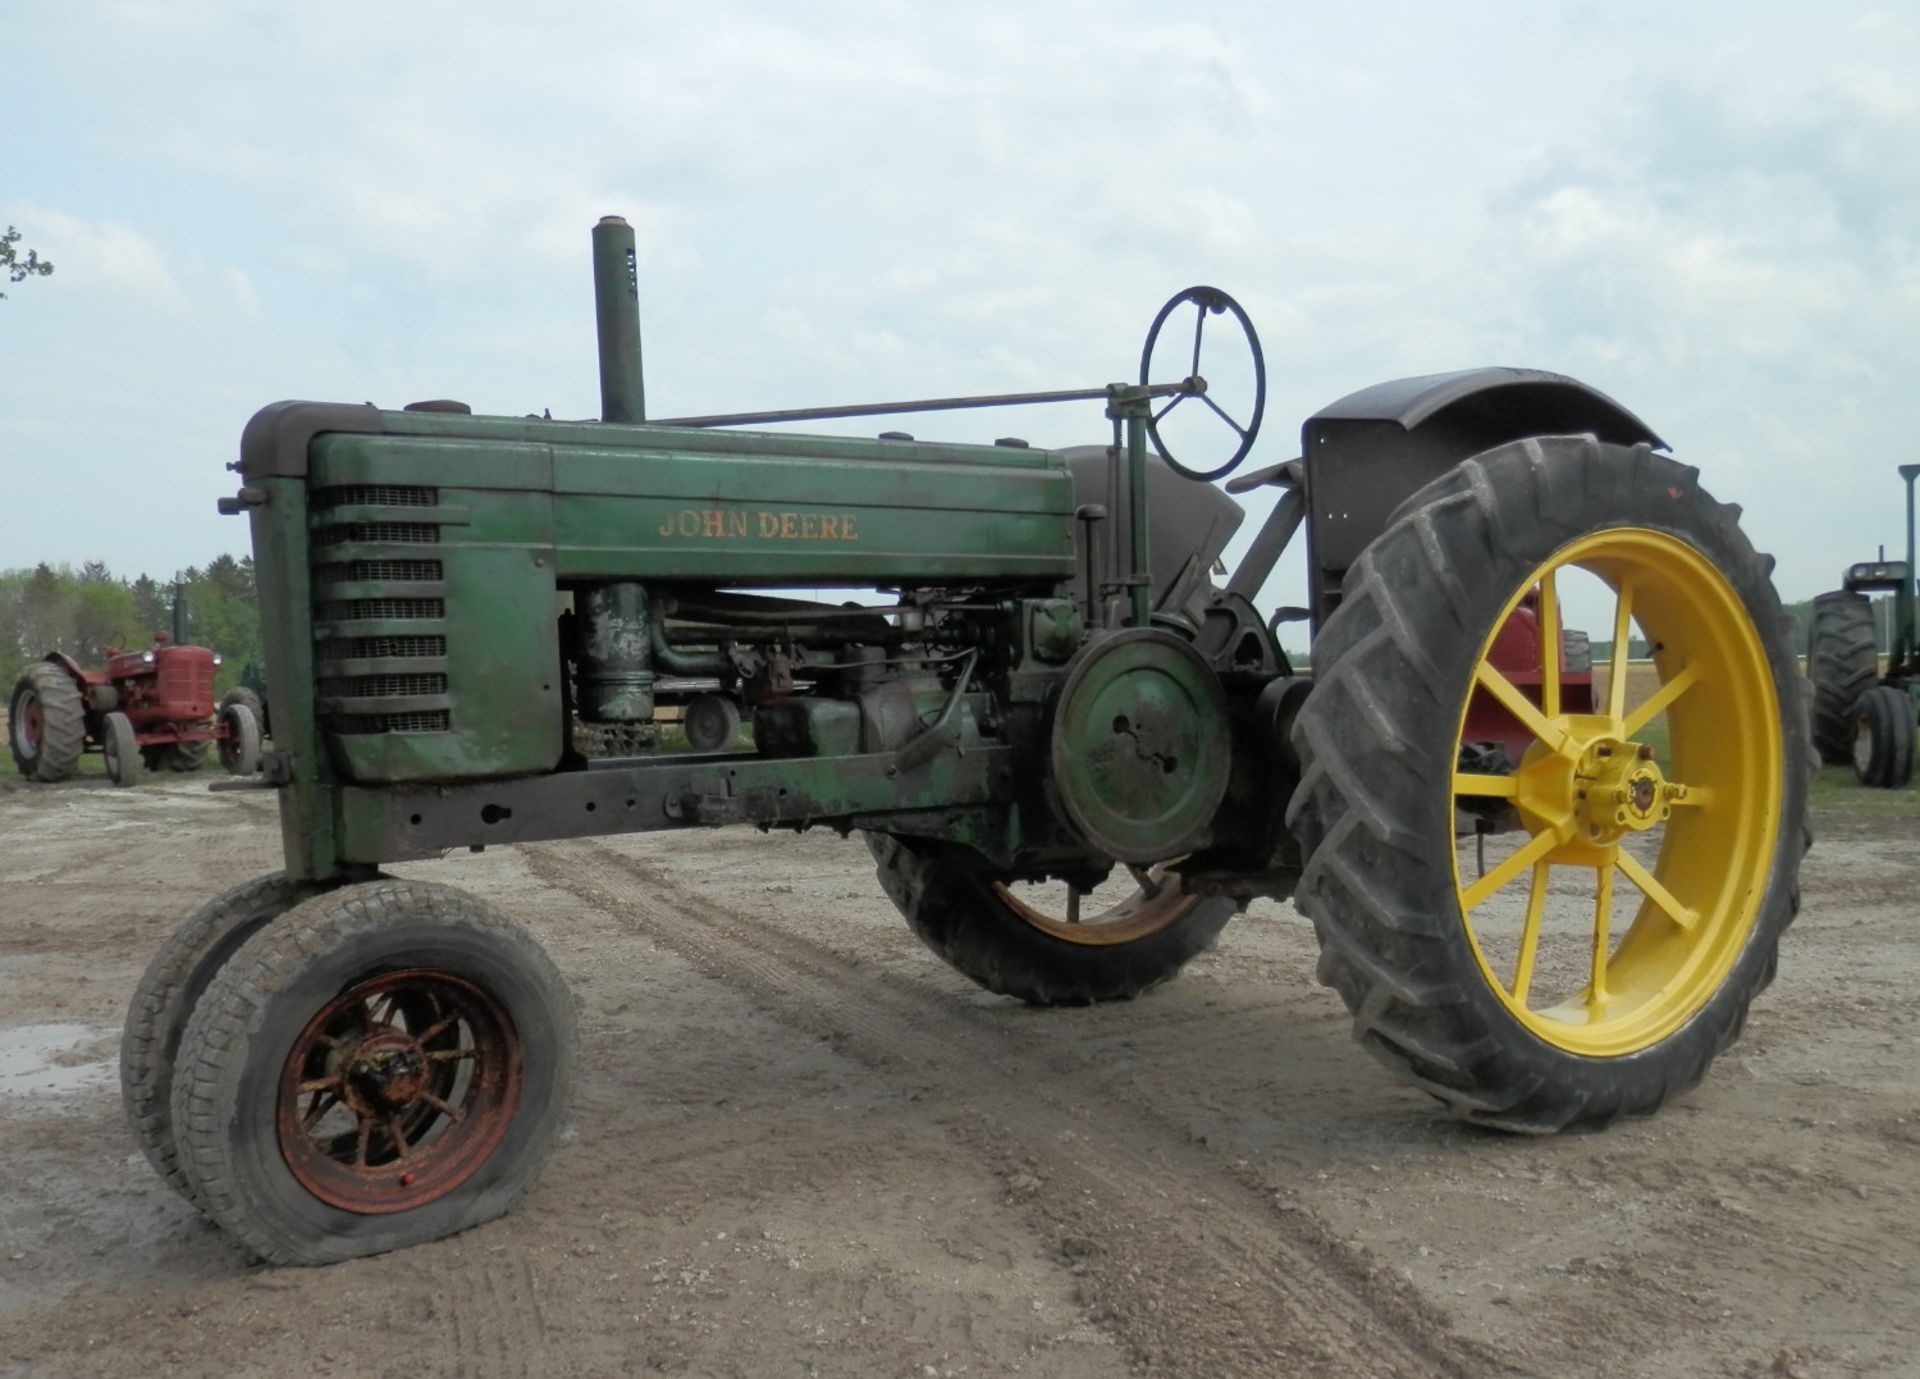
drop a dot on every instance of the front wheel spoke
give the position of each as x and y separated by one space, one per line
1658 701
1497 787
398 1135
1650 887
451 1112
1073 904
1692 797
1143 878
1534 851
1521 707
319 1084
1530 932
448 1055
321 1103
434 1031
1617 660
360 1143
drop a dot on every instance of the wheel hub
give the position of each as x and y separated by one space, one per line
1624 791
1594 788
385 1074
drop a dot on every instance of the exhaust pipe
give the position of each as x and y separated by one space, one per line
616 309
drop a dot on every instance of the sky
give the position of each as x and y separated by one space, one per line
1708 211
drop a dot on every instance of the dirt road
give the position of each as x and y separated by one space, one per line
804 1147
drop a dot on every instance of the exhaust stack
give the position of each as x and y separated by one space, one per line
616 309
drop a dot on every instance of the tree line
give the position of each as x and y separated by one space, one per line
84 612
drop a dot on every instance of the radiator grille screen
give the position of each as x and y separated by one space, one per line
375 496
368 648
354 571
354 610
383 686
392 533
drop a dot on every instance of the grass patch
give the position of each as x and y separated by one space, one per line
1835 788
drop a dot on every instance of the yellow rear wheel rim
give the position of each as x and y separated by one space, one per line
1690 830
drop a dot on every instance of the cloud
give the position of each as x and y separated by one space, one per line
104 256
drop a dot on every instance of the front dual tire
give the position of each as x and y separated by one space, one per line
351 1071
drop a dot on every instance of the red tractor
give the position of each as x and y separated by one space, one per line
148 710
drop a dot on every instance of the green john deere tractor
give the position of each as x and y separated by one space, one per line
1546 891
1862 714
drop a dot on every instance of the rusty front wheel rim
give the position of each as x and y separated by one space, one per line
398 1091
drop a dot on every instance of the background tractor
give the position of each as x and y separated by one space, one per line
1547 893
1861 713
146 710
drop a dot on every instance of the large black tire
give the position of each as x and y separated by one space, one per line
1377 741
240 748
166 996
262 1006
240 694
183 756
1883 738
121 746
961 915
1843 662
46 723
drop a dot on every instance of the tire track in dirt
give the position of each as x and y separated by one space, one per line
494 1321
1188 1261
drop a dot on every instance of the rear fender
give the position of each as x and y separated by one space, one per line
1371 450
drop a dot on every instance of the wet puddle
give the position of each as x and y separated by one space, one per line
45 1060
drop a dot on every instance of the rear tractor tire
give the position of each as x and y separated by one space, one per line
122 748
1010 941
46 723
1525 997
1883 738
380 1066
1843 663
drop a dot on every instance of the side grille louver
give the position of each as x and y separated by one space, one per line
394 682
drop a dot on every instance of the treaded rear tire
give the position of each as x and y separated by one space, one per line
1843 662
225 1093
1377 741
1882 749
165 998
63 723
956 912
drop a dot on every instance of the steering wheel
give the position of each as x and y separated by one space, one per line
1207 301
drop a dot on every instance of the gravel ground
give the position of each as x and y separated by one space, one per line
803 1147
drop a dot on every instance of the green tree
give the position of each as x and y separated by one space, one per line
20 269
